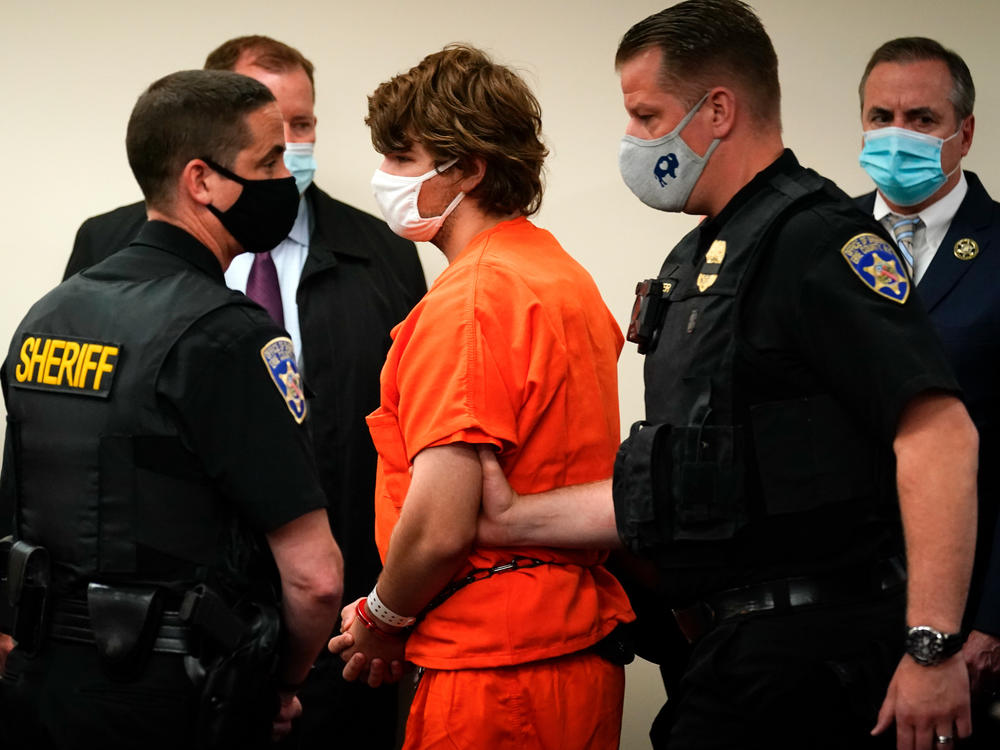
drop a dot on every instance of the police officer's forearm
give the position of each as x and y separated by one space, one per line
936 449
311 568
580 516
577 516
436 528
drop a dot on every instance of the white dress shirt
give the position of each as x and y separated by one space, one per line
936 219
289 257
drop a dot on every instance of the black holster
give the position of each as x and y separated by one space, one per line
235 671
25 578
125 620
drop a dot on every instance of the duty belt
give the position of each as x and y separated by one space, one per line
885 578
71 623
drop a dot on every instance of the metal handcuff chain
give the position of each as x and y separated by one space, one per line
481 574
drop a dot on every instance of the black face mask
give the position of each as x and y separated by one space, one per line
264 213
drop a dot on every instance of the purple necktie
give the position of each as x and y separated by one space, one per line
262 286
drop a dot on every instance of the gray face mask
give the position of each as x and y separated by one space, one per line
663 172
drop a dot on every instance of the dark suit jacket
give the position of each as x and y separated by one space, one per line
963 301
358 281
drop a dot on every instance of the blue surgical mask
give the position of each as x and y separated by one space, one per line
662 172
301 163
904 164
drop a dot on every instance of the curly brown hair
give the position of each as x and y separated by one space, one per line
459 103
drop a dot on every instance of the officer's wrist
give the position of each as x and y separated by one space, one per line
929 647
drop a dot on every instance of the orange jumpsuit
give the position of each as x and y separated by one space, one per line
513 347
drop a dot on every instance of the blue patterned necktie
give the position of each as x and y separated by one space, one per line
903 229
262 286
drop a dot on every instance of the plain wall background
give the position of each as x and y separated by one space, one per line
72 72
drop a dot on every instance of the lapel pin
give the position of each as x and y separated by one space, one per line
966 249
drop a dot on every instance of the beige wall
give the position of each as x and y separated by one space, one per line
71 72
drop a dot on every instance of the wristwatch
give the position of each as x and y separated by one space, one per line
929 646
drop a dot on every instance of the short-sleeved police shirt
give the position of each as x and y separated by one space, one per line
811 325
229 409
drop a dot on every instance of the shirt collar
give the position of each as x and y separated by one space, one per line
786 163
300 229
176 241
936 218
939 213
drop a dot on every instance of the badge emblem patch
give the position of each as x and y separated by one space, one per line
966 249
877 265
279 356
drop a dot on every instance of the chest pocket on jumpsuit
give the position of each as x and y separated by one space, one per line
394 477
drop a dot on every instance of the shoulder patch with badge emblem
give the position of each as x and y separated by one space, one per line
279 356
875 262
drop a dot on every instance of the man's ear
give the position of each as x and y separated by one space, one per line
473 170
722 103
194 182
968 130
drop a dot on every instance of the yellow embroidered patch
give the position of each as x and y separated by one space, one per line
66 365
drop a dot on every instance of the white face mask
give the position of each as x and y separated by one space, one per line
397 199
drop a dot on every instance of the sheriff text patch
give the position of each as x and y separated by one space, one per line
66 365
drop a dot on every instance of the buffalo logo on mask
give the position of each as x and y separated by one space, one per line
665 168
279 356
875 262
639 159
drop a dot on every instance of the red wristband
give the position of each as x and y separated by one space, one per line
368 622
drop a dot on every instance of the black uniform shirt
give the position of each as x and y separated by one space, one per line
215 387
231 413
811 326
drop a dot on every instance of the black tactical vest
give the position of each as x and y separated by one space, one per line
102 479
685 473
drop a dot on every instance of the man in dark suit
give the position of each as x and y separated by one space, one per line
344 280
916 107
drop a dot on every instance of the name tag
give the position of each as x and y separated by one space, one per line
83 367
